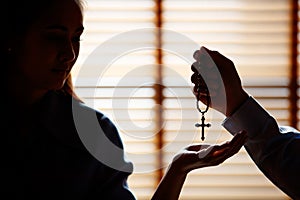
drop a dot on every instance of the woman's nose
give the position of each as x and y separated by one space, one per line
67 53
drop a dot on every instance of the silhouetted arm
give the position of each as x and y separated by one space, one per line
275 149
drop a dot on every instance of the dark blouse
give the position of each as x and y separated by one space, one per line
52 153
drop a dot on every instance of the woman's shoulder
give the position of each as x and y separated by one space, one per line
81 112
68 114
91 122
86 117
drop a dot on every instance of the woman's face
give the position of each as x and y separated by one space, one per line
51 46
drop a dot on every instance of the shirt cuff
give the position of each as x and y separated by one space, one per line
250 117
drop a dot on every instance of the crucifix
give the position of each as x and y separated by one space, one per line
202 124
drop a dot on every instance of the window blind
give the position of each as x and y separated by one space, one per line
295 48
255 36
117 73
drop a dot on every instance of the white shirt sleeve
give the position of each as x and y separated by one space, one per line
250 109
274 149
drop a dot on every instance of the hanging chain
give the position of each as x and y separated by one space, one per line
202 124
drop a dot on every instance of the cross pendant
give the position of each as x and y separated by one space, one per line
202 125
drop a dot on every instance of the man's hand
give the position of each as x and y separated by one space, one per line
215 72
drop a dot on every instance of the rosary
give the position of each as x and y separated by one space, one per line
203 125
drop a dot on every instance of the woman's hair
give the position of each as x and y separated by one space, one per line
18 16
